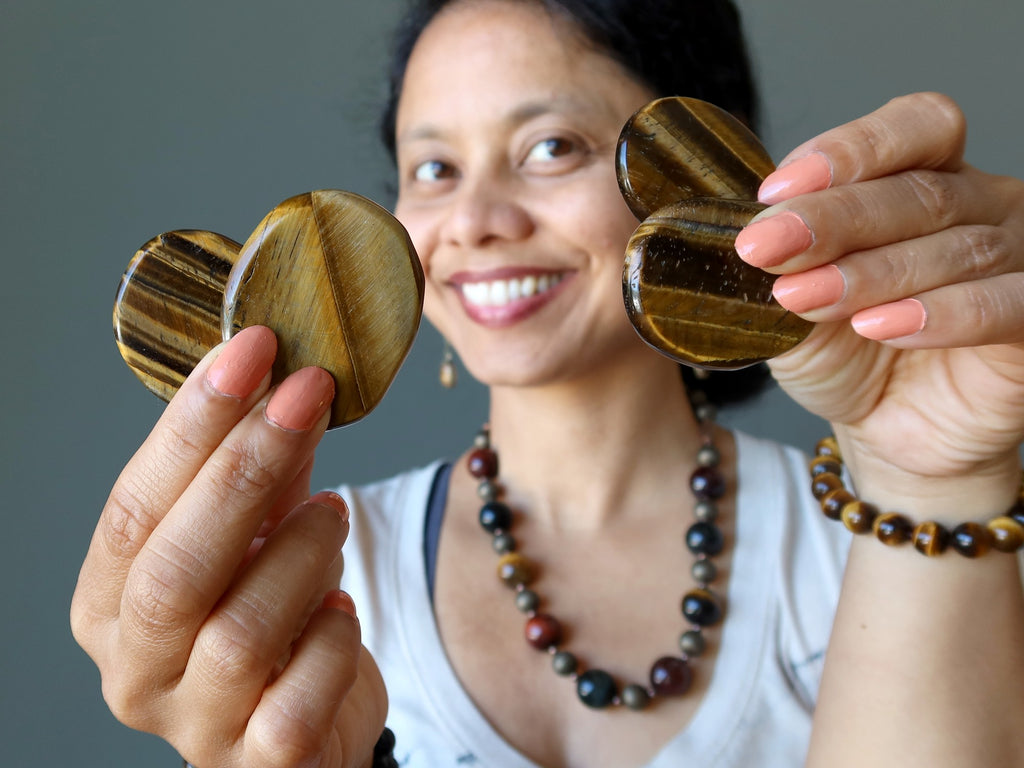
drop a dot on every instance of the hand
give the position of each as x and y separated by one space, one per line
912 264
208 597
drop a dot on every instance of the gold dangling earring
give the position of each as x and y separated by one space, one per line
447 375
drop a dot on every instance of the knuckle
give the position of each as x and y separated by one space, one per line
232 646
246 471
945 110
160 600
983 250
127 520
937 195
128 700
282 739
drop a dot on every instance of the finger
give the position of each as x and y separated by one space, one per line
194 553
977 313
257 620
923 130
820 227
905 269
219 392
294 722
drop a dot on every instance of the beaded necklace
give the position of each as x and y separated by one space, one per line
669 675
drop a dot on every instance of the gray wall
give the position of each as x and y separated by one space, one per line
124 119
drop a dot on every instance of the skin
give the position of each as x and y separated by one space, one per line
177 622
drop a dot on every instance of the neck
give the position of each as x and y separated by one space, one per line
586 454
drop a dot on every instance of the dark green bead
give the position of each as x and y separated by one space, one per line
704 539
495 516
564 663
635 697
596 688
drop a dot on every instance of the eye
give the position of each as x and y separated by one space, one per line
551 149
433 170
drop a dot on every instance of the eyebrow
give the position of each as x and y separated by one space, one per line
521 114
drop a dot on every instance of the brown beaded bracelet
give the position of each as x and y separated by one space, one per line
1004 533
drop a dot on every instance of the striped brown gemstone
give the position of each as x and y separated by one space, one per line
690 296
675 148
167 314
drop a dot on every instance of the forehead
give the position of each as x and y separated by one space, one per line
495 56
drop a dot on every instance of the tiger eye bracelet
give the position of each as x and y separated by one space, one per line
1004 533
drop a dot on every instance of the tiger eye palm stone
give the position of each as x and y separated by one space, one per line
333 274
691 172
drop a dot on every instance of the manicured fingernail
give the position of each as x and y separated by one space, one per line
812 173
340 601
331 499
301 399
244 361
891 321
813 289
769 242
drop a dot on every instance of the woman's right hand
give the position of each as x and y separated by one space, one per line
208 598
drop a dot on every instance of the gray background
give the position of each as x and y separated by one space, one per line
124 119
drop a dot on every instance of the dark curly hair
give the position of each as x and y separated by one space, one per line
675 47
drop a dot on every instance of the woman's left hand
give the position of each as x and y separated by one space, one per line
911 263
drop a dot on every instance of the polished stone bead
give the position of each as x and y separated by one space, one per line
859 516
503 543
1017 512
543 631
930 538
482 462
832 503
704 539
820 464
893 529
971 539
692 642
495 516
824 483
671 676
487 490
482 439
706 511
635 697
702 608
828 446
708 456
527 600
706 412
1007 534
707 483
564 663
515 570
596 688
704 571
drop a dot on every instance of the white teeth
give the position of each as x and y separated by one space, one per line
498 293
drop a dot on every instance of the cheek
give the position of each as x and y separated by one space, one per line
422 232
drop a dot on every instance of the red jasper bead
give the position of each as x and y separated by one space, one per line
482 463
543 631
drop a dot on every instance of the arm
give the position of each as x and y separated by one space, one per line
912 264
208 596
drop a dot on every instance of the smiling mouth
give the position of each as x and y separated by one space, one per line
500 293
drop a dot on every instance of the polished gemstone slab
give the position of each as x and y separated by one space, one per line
333 274
691 172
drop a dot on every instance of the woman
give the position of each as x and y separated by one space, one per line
207 596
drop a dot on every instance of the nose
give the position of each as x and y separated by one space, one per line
486 211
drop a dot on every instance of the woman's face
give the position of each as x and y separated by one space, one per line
506 133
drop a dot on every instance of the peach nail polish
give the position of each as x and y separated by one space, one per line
244 361
891 321
301 399
812 173
340 601
331 499
770 242
813 289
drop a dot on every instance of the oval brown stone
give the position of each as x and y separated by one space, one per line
1007 534
515 570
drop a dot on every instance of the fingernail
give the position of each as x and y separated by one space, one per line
813 289
331 499
891 321
340 601
301 400
244 361
812 173
769 242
